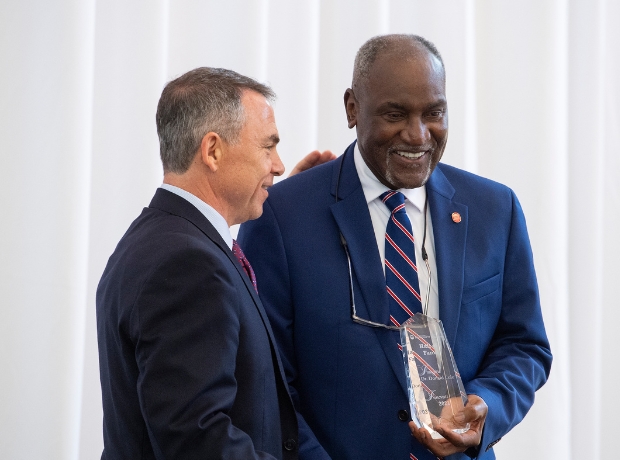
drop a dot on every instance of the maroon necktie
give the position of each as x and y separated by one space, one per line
245 263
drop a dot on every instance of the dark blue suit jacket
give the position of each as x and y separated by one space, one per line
348 380
189 369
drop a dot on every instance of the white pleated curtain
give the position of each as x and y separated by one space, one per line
532 89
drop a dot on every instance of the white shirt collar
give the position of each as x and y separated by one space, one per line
373 188
216 219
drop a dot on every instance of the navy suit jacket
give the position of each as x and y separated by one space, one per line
348 380
189 367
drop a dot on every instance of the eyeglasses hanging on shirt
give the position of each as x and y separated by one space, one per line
359 320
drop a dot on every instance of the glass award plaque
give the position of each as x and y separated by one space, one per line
436 391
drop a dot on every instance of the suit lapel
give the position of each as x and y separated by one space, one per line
353 220
355 225
450 238
174 204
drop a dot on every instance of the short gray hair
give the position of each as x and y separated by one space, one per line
200 101
370 50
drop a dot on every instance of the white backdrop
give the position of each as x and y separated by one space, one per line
534 103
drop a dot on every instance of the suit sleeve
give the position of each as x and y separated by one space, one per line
185 325
262 243
518 359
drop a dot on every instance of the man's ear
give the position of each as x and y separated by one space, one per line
211 151
350 105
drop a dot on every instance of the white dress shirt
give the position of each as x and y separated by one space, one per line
414 205
216 219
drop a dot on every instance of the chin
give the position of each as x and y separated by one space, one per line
256 213
399 182
413 176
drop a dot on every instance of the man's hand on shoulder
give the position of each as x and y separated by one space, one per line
474 413
311 160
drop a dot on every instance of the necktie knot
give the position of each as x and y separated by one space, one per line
395 201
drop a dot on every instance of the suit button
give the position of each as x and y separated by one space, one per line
403 415
290 444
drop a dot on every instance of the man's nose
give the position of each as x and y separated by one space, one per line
416 132
277 167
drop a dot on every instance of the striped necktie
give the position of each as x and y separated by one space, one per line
401 273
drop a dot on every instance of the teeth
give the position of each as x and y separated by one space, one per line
412 156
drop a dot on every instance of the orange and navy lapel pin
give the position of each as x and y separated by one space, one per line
456 217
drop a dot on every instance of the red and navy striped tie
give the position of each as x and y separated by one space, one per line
401 273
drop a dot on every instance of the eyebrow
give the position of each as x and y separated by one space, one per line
273 139
393 105
440 103
397 106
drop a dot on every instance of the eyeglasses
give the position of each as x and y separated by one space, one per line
354 317
366 322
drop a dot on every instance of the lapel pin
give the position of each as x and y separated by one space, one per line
456 217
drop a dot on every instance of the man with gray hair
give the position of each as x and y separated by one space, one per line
337 252
189 367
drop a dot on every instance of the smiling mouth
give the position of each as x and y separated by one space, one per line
410 155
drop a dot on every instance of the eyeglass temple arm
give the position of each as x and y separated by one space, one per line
428 286
346 250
